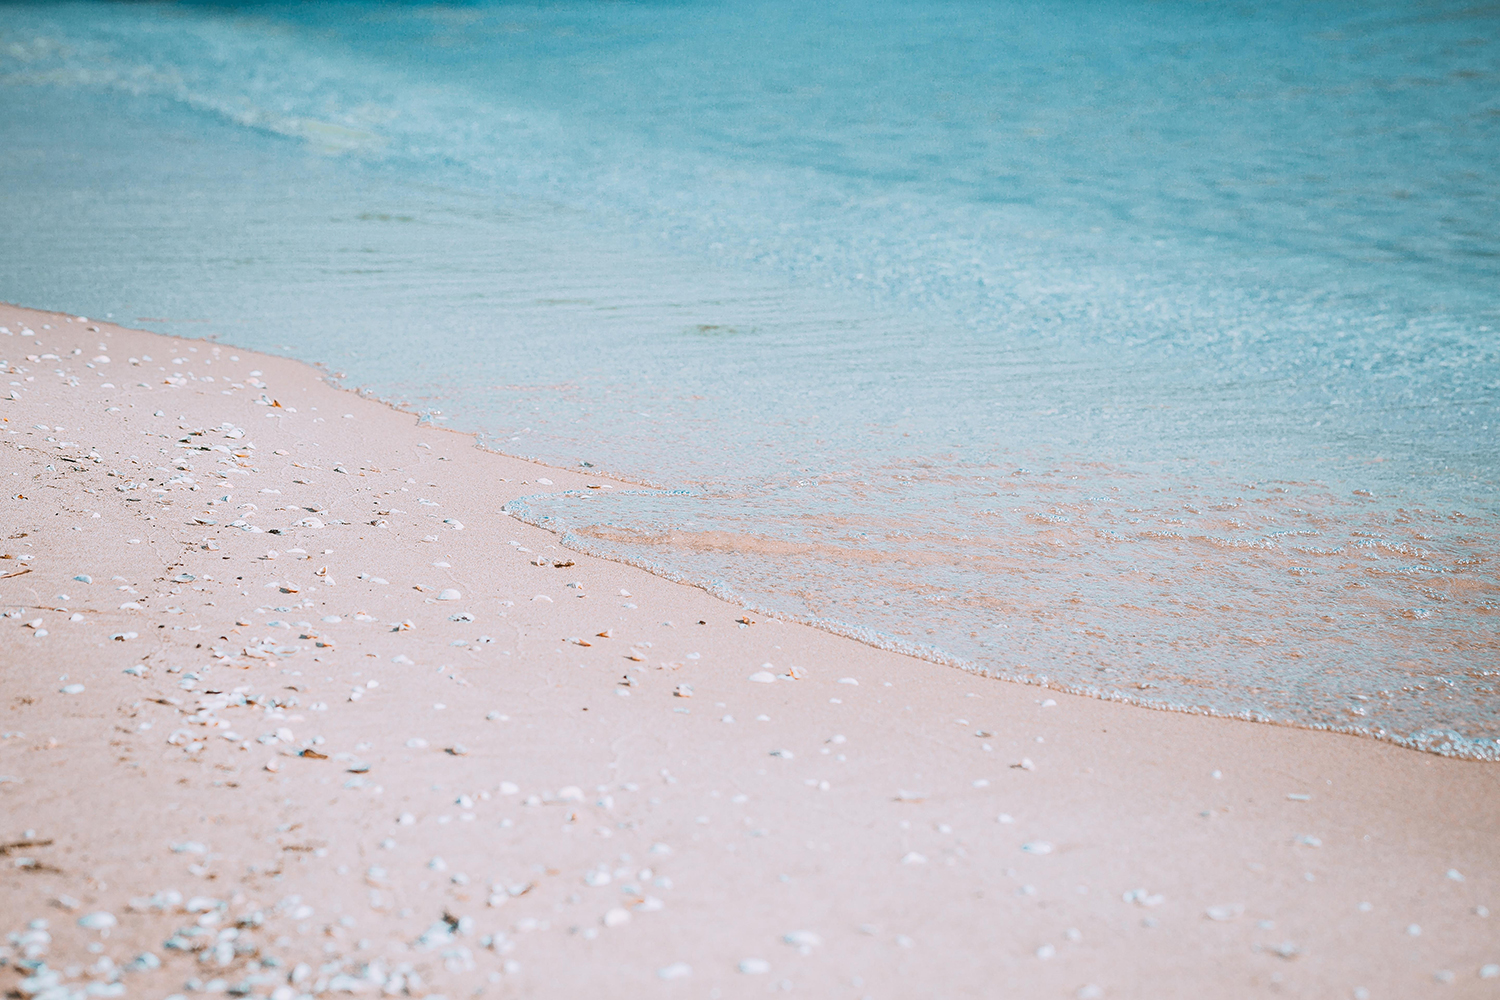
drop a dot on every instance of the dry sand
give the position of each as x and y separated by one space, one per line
355 730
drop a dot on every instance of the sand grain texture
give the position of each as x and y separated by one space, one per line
520 806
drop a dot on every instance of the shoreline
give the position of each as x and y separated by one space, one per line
1467 749
922 831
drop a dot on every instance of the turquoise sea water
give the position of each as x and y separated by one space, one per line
1141 349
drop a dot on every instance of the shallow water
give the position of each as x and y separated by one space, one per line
1144 350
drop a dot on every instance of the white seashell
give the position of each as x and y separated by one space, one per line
677 970
802 939
449 594
100 921
754 966
763 677
617 917
1141 897
1037 847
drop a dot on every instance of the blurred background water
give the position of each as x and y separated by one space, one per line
1146 350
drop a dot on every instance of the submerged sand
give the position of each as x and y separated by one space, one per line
291 706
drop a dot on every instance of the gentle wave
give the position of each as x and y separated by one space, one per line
1244 627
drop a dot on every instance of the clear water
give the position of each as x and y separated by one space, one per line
1147 350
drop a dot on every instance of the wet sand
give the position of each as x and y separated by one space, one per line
355 729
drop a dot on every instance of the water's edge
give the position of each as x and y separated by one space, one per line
1443 743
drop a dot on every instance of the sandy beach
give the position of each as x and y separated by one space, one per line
292 707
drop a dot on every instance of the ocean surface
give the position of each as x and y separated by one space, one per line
1140 349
